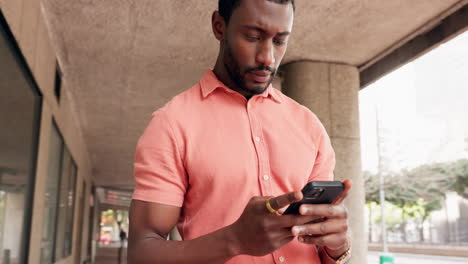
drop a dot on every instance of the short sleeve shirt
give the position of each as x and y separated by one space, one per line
210 150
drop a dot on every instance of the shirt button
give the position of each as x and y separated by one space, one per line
282 259
266 177
257 139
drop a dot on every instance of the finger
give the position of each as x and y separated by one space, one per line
347 186
324 210
285 199
282 210
275 234
332 241
329 226
295 220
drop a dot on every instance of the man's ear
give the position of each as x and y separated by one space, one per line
218 25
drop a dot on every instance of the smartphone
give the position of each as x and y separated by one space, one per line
317 192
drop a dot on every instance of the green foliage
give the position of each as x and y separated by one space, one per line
372 187
420 191
460 170
392 214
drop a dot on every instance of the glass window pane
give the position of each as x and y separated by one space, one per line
65 206
19 112
70 210
62 205
81 203
51 196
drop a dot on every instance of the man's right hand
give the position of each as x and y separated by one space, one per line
258 232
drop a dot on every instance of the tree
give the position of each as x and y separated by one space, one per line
371 182
460 172
420 191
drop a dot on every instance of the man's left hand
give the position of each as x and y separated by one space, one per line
332 232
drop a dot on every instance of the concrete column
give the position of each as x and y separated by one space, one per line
331 92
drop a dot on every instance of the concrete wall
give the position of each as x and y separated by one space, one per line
30 30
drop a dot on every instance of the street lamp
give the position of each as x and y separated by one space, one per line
385 257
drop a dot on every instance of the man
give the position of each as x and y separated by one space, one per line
220 159
123 237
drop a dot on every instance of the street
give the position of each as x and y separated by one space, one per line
401 258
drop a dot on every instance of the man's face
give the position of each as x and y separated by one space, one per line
255 43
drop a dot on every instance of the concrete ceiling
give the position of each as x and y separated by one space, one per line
123 59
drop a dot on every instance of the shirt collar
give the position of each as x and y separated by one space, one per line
210 82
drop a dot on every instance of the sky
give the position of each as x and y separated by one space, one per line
422 111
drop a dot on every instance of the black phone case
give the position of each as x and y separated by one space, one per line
317 192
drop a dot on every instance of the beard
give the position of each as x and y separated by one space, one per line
238 77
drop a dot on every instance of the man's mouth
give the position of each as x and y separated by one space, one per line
260 76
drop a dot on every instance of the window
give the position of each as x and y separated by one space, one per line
20 108
59 201
65 207
51 196
58 82
81 205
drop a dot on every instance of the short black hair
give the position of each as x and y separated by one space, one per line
226 7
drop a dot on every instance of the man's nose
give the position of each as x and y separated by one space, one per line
266 54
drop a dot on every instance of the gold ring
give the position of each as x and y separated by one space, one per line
270 209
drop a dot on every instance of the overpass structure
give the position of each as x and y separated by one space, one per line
96 70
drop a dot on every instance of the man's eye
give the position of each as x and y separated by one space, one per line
253 38
279 42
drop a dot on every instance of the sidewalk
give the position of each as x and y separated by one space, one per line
426 249
109 255
403 258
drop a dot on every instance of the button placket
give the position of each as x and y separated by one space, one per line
279 256
256 132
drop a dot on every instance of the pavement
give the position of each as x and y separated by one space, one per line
404 258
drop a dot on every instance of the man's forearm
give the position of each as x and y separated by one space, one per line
216 247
